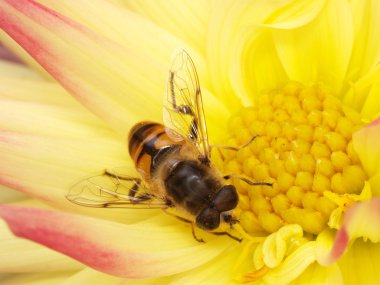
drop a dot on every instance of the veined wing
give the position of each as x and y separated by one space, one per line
111 190
183 108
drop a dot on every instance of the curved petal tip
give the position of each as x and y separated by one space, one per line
361 220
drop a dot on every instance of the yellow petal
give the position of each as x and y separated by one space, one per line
187 20
276 245
371 107
256 67
8 195
366 145
49 142
292 14
34 278
320 50
316 274
90 276
233 18
9 69
366 49
242 58
217 271
364 71
292 266
360 263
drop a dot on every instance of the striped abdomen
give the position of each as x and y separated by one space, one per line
148 145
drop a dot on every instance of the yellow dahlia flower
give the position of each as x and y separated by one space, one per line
303 75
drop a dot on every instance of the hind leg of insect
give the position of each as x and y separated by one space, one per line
134 188
182 219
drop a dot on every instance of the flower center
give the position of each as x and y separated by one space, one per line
304 147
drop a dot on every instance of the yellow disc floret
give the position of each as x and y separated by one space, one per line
304 147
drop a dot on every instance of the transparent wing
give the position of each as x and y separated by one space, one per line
114 190
183 107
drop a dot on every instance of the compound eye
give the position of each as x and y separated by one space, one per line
226 199
208 219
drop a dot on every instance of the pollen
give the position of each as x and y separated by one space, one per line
303 146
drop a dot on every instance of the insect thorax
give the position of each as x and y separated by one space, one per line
191 185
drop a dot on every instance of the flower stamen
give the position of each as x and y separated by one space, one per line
253 276
304 148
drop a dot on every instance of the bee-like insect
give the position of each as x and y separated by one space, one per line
173 161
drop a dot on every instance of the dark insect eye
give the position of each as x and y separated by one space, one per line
226 199
208 219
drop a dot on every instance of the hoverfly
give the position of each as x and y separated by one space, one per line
173 161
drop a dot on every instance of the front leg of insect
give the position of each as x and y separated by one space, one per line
182 219
246 180
234 148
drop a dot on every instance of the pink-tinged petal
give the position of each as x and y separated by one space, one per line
75 63
135 33
121 81
134 251
5 54
330 246
360 220
35 258
366 145
172 16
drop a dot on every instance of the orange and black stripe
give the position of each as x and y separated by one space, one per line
148 142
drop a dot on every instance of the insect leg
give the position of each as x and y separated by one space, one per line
226 234
246 180
135 187
183 109
122 177
234 148
186 221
